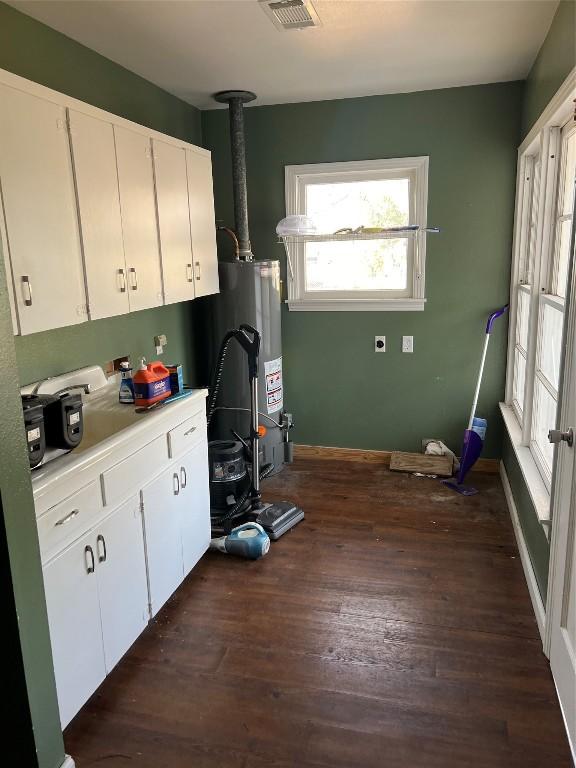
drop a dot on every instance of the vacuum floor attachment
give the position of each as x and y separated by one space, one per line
278 517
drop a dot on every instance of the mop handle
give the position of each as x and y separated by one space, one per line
489 325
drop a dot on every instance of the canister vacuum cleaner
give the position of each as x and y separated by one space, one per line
235 472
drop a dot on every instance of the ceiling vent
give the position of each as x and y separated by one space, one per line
291 14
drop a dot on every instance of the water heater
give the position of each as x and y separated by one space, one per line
250 293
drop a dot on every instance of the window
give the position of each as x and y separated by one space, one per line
544 212
363 271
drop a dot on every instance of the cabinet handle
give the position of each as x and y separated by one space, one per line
89 551
189 273
68 517
100 540
27 285
183 477
198 268
134 281
189 431
176 484
122 276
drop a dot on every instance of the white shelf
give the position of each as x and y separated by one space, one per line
384 234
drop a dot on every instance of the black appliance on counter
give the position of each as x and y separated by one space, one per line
53 421
33 410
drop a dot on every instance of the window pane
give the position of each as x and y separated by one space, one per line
379 203
570 165
543 419
519 379
523 318
551 343
362 265
563 257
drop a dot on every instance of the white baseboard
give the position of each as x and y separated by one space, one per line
529 574
68 762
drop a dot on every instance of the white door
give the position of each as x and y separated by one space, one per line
173 222
202 223
562 588
40 211
162 536
194 505
139 225
71 587
122 583
99 209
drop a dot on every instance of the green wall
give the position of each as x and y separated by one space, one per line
556 58
340 391
34 51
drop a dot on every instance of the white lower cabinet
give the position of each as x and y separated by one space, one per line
122 586
193 501
115 549
177 523
97 601
163 539
75 627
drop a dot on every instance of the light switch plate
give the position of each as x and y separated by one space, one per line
407 343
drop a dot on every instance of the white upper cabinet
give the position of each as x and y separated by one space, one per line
139 225
174 222
96 176
40 212
202 222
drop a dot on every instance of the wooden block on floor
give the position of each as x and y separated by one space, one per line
421 462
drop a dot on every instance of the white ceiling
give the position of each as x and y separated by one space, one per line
193 48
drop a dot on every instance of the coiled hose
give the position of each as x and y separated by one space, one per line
217 376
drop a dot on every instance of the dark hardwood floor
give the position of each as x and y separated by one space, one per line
392 627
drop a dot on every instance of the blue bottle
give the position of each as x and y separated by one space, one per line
126 394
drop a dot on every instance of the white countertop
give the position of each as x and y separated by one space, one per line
112 430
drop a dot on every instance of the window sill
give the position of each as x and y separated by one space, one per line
532 477
356 305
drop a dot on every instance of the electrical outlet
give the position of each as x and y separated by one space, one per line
160 342
407 343
379 343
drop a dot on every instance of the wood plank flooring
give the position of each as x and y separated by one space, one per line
392 627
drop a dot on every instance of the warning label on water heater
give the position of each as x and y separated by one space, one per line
274 393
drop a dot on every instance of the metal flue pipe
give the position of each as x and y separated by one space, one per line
236 101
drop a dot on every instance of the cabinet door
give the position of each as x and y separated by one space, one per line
40 212
173 222
202 223
139 226
99 209
122 584
75 627
162 535
4 256
194 505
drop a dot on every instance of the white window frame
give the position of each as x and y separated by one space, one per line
297 177
533 268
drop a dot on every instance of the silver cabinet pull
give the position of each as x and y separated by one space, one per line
189 273
134 279
100 540
557 436
183 477
68 517
176 484
89 567
122 280
198 270
189 431
27 289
